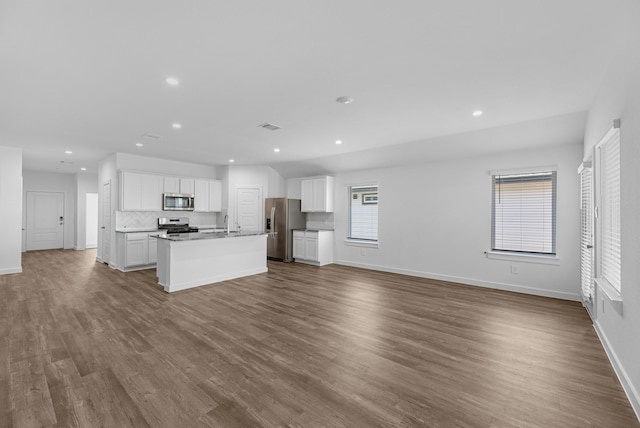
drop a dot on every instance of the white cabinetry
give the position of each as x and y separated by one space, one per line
313 247
179 185
153 248
208 195
140 192
137 250
317 194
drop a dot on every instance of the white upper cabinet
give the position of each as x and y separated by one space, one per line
179 185
140 192
208 195
317 194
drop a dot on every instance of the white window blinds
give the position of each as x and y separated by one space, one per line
609 208
586 233
363 213
524 212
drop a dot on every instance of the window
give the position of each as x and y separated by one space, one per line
524 213
608 209
363 213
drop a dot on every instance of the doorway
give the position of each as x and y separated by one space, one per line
249 210
45 220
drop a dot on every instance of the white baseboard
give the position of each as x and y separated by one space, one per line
625 381
7 271
468 281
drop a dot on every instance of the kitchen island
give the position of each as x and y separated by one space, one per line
190 260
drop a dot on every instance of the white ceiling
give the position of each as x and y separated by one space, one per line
89 77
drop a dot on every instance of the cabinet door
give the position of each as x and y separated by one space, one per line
136 253
187 186
298 246
307 195
131 188
153 250
320 194
215 196
311 247
171 185
201 194
151 197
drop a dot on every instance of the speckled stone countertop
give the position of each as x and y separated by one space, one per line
205 235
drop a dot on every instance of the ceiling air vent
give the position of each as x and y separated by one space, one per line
150 137
269 126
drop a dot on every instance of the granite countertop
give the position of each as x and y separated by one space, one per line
136 229
205 235
127 229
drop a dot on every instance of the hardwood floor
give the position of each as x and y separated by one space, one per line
82 345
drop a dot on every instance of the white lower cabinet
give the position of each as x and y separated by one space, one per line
153 248
137 250
313 246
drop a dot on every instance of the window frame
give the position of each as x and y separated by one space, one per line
360 242
611 291
526 256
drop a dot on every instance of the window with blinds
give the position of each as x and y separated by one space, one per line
363 213
586 232
524 213
608 254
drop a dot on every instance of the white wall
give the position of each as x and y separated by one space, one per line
130 162
91 220
11 209
54 182
85 183
435 222
619 97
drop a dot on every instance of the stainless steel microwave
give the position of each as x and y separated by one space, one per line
177 202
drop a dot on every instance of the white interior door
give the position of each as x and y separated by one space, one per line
249 208
45 220
105 229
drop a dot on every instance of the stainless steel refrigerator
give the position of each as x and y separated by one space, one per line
282 215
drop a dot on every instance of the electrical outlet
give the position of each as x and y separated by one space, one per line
514 269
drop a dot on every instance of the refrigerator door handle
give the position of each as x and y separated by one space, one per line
273 222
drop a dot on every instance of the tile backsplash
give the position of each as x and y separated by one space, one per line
321 221
150 218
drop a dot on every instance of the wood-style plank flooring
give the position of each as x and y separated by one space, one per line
82 345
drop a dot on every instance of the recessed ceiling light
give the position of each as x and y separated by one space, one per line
177 125
83 169
338 142
68 152
139 144
231 160
172 81
344 100
477 113
276 150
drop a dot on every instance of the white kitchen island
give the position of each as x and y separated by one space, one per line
193 259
